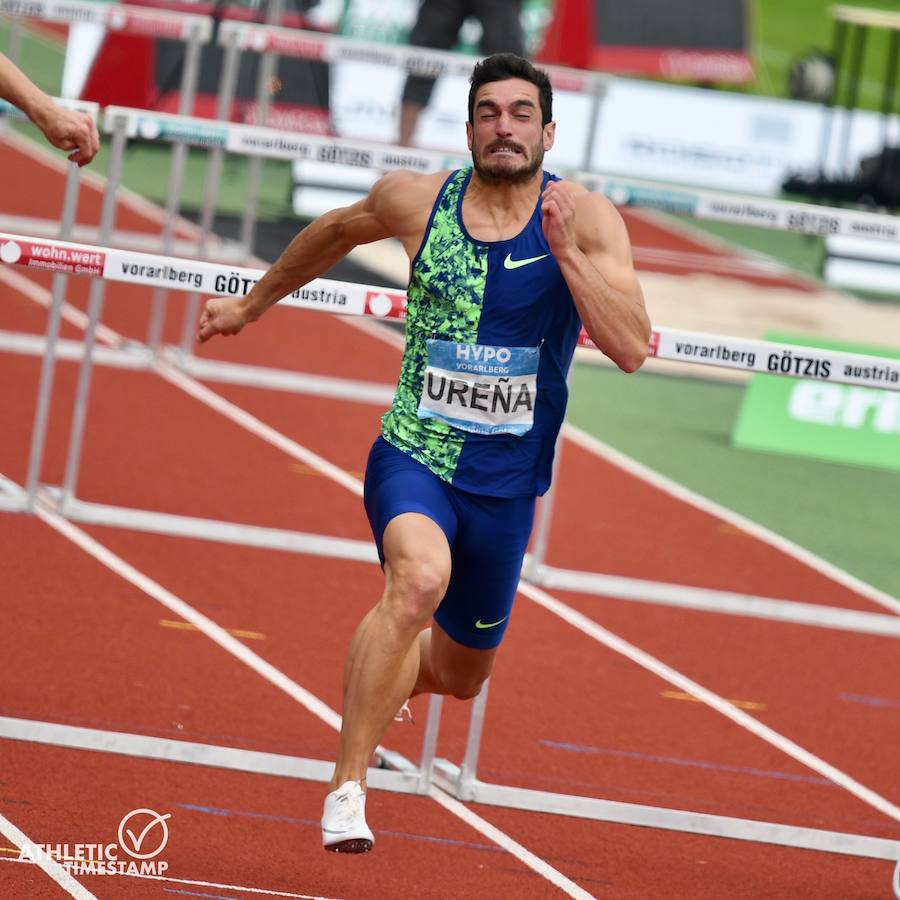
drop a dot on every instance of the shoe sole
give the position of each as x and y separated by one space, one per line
353 845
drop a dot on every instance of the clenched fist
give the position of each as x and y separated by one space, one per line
222 315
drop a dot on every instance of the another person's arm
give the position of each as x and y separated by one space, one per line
590 243
63 128
391 209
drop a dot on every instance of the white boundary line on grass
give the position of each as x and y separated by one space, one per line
277 678
57 872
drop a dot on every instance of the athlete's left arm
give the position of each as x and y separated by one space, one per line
588 239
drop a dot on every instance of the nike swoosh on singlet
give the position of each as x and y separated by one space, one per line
480 624
510 263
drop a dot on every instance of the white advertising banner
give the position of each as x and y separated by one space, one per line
365 104
719 139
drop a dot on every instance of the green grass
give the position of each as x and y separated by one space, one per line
681 428
41 57
803 253
146 171
784 30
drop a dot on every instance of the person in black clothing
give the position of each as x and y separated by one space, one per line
438 25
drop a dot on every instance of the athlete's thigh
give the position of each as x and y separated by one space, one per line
450 659
409 512
487 560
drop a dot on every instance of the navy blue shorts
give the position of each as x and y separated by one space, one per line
488 537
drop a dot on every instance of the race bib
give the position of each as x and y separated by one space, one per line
479 388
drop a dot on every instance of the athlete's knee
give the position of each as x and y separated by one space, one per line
461 685
417 586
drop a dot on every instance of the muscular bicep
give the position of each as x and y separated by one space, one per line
361 223
397 206
603 238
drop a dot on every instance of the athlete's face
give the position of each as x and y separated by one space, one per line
506 138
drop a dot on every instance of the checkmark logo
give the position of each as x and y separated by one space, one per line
480 624
510 263
150 820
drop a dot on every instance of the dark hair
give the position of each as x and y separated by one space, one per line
502 67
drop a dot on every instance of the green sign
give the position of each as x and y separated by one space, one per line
390 21
821 420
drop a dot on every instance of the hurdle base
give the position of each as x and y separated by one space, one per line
448 777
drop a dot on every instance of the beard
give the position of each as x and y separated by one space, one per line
503 172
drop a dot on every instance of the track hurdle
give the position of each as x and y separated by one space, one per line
24 500
462 781
238 37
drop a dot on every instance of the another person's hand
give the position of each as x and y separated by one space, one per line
222 315
69 130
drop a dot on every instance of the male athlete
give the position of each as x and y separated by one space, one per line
507 263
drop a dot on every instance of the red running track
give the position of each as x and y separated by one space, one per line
85 648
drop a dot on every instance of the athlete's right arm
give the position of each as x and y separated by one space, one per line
392 204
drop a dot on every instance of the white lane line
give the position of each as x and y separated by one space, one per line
72 314
203 623
224 252
535 863
211 884
644 473
125 196
277 678
52 868
239 416
210 398
685 596
257 427
262 763
686 495
738 716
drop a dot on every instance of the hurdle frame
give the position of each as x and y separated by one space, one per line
461 781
